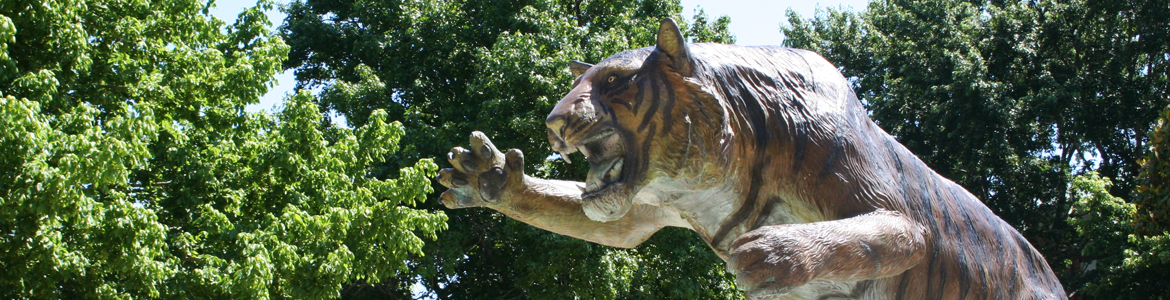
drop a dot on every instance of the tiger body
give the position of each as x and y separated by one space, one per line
768 155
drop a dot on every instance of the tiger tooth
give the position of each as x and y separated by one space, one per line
565 157
615 170
583 151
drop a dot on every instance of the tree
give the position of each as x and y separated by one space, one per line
448 67
132 171
1011 99
1153 192
1127 242
1123 264
1142 270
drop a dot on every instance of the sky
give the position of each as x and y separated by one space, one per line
757 22
753 22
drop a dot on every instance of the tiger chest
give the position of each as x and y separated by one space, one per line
720 213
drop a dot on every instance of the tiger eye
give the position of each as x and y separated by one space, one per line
611 78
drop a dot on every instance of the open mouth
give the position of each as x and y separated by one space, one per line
606 155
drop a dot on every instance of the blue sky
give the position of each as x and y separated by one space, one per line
753 22
757 22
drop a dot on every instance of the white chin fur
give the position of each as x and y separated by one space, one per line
611 206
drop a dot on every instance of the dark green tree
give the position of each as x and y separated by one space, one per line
129 168
446 68
1012 99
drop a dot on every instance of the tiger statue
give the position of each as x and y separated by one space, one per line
768 155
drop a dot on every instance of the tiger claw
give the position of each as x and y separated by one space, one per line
483 148
481 175
450 178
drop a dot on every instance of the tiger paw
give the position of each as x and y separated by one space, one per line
769 262
481 175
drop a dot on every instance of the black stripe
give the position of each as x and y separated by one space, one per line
758 215
579 125
959 249
649 114
980 272
643 162
897 160
903 285
570 123
894 155
613 96
668 110
756 113
799 144
617 90
622 102
609 109
757 120
1028 255
765 212
745 208
836 150
697 97
1015 260
643 85
934 270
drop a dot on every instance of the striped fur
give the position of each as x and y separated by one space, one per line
769 156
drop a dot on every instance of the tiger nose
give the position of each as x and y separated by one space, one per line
559 117
571 106
555 123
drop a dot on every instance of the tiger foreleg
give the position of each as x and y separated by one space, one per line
482 176
773 259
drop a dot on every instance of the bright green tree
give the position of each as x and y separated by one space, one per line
1124 264
131 170
1013 100
448 67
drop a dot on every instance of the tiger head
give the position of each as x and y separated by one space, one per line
631 116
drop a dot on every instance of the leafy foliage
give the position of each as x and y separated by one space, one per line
132 171
448 67
1153 192
1124 265
1144 266
1013 100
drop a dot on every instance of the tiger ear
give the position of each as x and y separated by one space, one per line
578 67
672 43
